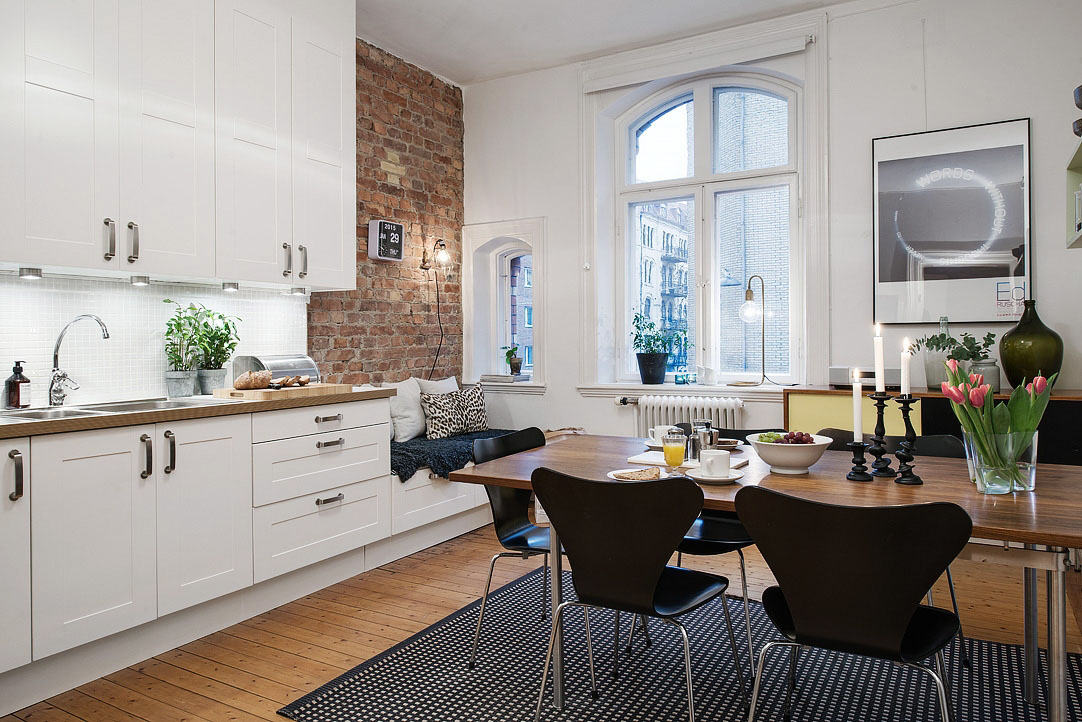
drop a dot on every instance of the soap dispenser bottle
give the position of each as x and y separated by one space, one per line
17 389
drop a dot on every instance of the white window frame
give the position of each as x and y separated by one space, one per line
701 187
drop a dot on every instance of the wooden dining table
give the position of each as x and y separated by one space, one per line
1038 530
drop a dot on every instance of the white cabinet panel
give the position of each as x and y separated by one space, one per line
253 136
204 504
167 137
422 499
324 149
93 536
287 423
59 90
14 553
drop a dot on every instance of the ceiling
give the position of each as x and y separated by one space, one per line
468 41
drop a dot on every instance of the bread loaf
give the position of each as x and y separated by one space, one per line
252 380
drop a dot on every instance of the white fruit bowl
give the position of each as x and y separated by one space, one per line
790 458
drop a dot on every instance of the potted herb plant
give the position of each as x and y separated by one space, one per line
217 338
512 359
181 349
935 347
652 347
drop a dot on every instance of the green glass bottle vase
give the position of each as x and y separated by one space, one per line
1030 348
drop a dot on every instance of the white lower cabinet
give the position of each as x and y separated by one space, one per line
204 509
93 535
423 499
14 553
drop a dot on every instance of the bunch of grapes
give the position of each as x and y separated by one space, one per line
796 437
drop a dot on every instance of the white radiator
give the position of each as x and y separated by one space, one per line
724 413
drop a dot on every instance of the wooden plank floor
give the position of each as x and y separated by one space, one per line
250 670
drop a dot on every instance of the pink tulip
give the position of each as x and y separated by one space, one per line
1040 384
952 364
977 396
1029 388
954 393
976 379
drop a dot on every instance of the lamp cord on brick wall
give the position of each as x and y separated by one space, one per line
439 320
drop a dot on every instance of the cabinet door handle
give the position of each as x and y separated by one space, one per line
134 228
331 499
149 444
111 225
289 259
325 419
304 261
16 456
172 465
324 444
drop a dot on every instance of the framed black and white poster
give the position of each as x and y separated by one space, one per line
951 224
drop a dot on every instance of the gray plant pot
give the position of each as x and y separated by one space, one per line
990 370
180 383
210 379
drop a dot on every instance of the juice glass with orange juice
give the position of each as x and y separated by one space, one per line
673 446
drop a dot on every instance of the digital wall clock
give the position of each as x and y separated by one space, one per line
386 240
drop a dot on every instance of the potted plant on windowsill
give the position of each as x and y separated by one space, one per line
217 339
181 350
512 359
652 348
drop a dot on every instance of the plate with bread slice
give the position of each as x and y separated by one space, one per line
650 473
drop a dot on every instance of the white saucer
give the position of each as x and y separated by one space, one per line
652 446
702 478
612 474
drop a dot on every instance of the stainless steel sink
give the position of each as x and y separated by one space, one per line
47 414
120 407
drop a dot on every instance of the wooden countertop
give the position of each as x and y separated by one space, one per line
14 428
1057 393
1050 515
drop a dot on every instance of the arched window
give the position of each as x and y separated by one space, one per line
714 165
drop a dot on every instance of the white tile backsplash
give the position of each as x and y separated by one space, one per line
130 363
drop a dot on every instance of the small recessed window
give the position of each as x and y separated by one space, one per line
519 313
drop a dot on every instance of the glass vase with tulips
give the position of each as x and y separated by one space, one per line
1001 439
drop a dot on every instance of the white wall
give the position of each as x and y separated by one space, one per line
130 363
893 68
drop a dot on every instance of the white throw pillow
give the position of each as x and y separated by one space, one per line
407 416
444 386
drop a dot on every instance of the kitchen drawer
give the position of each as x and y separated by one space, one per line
292 534
422 500
289 423
310 464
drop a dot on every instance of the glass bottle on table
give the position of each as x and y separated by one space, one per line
673 447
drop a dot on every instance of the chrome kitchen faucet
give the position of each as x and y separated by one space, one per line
61 382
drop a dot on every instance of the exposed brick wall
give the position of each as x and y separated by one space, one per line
409 169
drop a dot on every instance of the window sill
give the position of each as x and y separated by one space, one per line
766 393
526 388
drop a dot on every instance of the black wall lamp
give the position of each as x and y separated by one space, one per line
442 257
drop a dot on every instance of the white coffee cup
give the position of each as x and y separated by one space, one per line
714 462
656 433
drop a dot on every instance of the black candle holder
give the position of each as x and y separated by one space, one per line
904 454
881 465
859 472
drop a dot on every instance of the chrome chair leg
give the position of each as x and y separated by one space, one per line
639 619
940 688
590 653
687 665
962 642
747 611
646 629
484 603
941 668
545 590
732 644
759 673
556 622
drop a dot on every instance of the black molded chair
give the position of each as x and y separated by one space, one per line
510 515
942 446
816 549
619 537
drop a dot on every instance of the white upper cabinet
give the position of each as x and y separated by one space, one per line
14 553
253 168
58 94
324 149
167 137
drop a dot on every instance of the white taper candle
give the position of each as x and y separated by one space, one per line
880 375
858 407
906 357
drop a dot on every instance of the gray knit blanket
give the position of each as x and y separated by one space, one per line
442 456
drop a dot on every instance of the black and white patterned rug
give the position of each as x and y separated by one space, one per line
426 678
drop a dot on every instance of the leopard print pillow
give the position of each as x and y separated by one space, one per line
443 414
474 417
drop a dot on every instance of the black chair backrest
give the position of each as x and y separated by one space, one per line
853 576
510 507
618 535
938 445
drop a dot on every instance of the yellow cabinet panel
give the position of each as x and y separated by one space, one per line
812 412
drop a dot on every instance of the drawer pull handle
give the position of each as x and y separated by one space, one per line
16 456
149 443
331 499
172 465
324 444
325 419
